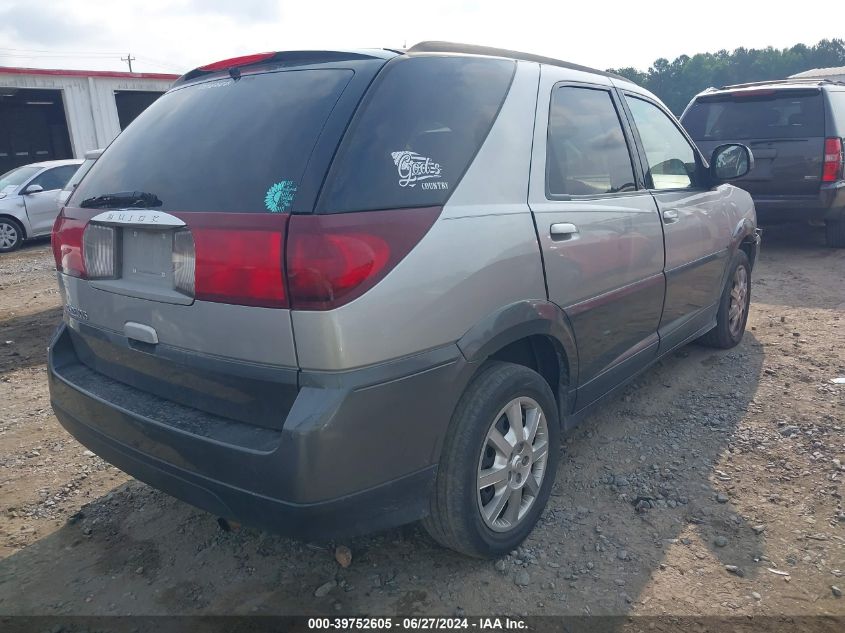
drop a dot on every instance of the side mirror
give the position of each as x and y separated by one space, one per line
730 162
32 189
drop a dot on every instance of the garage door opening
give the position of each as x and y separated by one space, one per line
33 127
131 103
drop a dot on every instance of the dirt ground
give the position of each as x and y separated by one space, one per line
742 454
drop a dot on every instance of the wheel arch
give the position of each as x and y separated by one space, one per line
16 220
535 334
746 237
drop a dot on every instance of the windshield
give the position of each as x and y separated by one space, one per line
224 145
16 177
84 168
786 114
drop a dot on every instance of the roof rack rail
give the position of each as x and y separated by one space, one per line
490 51
788 80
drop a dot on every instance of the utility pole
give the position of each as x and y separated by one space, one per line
128 59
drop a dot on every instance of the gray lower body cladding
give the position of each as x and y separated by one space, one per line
828 204
356 451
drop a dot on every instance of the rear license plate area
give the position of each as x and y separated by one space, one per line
148 258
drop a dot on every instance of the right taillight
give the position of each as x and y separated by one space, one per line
184 262
833 159
335 258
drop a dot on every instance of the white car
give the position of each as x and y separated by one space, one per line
29 200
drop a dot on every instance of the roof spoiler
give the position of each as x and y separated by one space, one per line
232 66
809 82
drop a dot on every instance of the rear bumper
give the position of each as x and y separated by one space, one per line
828 204
357 452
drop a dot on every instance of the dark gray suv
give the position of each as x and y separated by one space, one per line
795 128
330 292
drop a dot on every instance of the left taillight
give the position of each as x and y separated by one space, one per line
67 245
100 251
85 250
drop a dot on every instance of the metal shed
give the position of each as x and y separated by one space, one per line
48 114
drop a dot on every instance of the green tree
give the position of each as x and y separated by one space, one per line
678 81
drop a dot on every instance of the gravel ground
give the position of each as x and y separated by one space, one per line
711 486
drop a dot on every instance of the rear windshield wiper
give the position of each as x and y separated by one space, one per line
135 199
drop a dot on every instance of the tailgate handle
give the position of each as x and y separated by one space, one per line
140 332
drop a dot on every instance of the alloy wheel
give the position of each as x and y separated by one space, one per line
512 465
739 301
8 235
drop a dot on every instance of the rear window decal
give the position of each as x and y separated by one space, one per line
414 168
280 196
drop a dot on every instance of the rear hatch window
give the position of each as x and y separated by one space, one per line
225 145
783 128
186 308
758 114
418 130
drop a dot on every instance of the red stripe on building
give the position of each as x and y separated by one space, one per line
85 73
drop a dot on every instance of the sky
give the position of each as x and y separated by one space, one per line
177 35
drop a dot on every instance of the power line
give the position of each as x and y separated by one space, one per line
37 54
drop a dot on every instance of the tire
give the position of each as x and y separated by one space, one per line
455 520
834 233
728 333
11 235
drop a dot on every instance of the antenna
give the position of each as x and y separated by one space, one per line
128 59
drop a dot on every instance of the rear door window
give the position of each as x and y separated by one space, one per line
670 157
759 115
586 152
55 178
222 145
416 134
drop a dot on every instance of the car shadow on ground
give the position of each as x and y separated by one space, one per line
660 445
793 262
798 236
24 339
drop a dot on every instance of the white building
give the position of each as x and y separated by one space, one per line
836 73
50 114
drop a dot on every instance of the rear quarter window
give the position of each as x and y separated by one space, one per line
416 134
784 114
55 178
837 107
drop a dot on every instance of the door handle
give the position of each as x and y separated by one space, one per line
563 230
670 215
